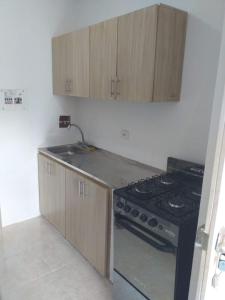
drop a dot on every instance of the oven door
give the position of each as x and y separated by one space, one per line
145 260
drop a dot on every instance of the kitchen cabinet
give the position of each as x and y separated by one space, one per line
78 207
136 57
70 64
103 59
150 54
136 54
87 218
170 46
52 192
96 204
61 59
75 214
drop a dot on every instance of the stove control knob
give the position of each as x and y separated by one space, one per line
143 218
127 208
153 222
160 227
135 213
119 204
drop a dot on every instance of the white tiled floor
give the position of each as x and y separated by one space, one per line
37 263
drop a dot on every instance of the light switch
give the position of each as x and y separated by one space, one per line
12 99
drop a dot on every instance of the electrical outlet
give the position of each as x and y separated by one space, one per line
125 134
64 121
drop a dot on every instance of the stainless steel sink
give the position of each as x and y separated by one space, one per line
70 150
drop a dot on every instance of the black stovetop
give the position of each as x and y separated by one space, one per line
174 196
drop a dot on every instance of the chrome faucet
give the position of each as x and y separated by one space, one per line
80 130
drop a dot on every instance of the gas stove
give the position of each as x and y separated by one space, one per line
155 221
174 196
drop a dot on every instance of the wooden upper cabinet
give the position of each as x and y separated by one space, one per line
171 34
136 54
103 59
70 54
136 57
150 54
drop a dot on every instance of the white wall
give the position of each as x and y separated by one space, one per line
157 130
26 28
160 130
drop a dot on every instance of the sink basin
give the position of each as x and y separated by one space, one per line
70 150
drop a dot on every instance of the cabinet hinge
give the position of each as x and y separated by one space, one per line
202 238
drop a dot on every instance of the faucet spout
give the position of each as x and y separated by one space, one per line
80 130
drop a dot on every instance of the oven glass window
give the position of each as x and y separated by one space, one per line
149 269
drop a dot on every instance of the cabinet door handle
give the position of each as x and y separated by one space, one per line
66 86
117 87
85 189
112 87
70 86
81 189
48 167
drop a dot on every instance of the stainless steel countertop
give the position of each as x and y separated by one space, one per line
105 167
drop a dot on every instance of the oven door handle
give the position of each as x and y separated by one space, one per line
163 245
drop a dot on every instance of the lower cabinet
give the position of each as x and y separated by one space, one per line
78 207
52 192
87 218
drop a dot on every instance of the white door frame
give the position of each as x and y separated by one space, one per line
212 181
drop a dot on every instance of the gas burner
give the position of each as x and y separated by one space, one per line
143 188
176 203
148 188
166 180
139 189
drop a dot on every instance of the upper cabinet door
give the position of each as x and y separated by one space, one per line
62 53
171 35
80 63
137 34
103 59
71 64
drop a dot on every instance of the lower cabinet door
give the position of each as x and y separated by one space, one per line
52 192
74 210
87 219
96 228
